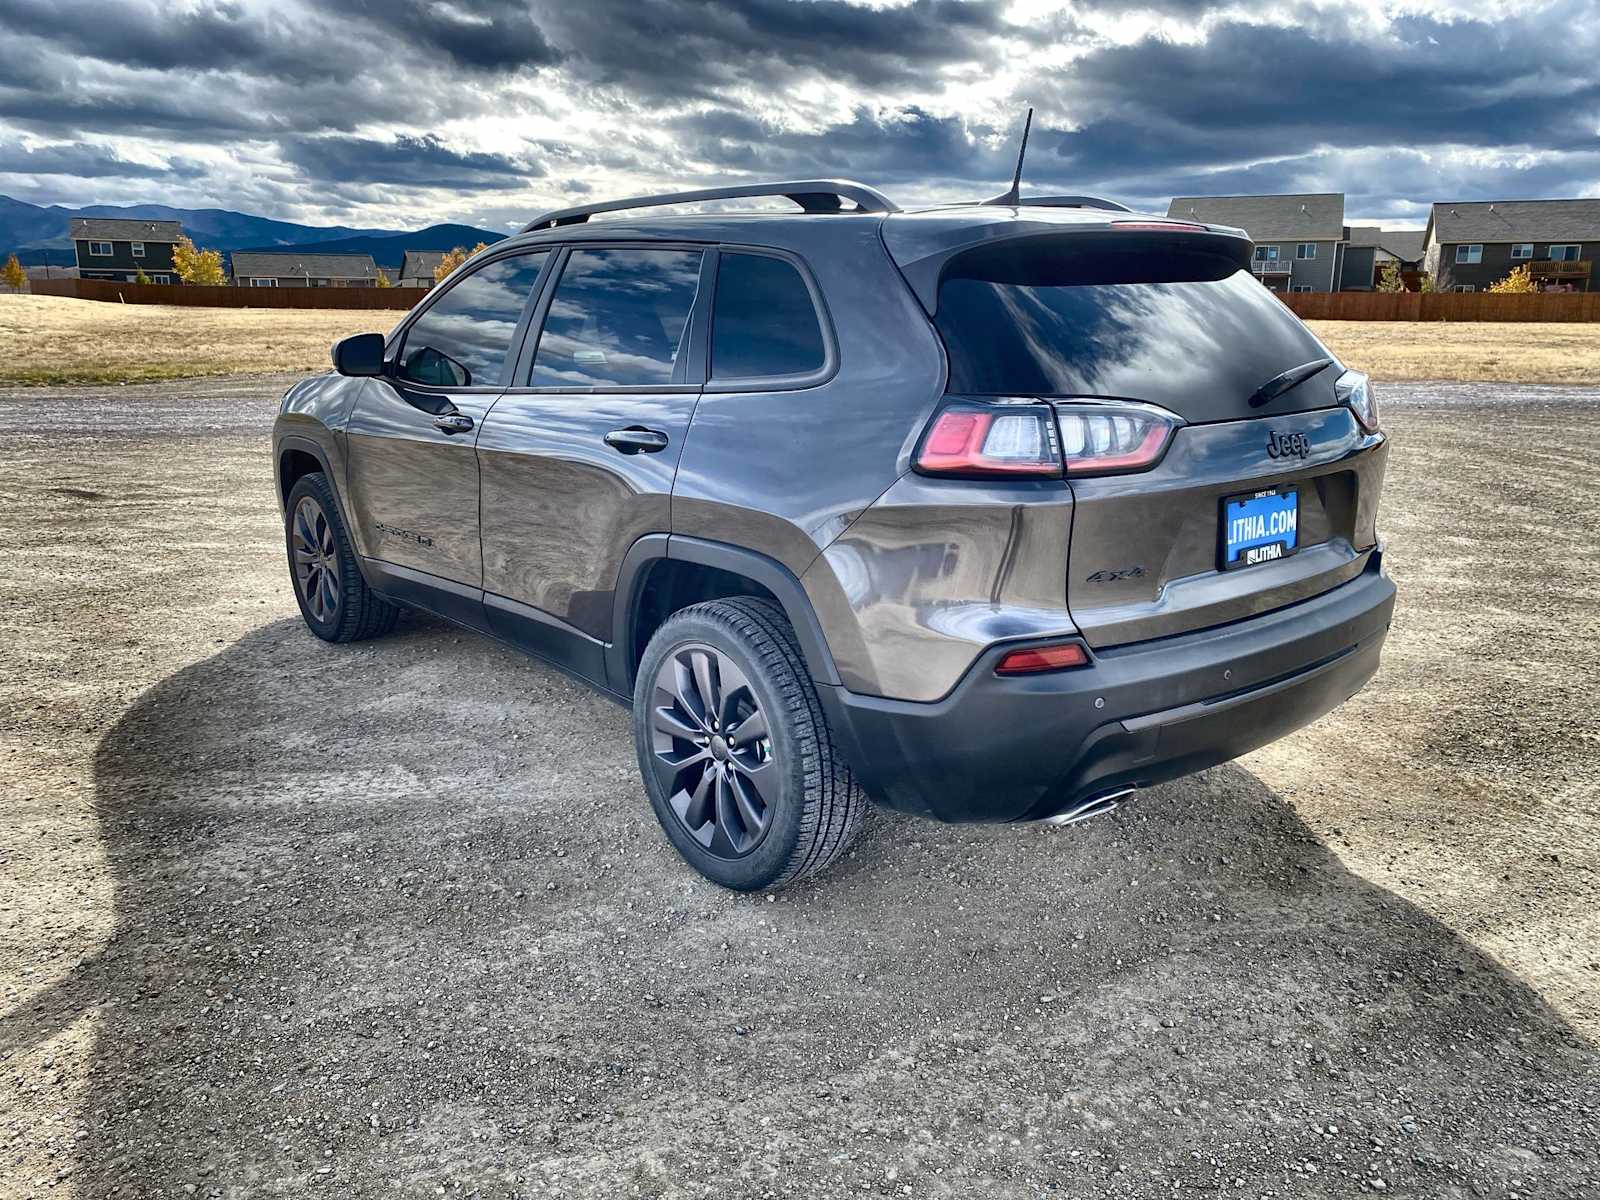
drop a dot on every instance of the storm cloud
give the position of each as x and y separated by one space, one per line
399 112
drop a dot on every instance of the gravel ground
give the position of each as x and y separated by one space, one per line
281 918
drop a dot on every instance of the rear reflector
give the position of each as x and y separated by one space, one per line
1043 658
1000 439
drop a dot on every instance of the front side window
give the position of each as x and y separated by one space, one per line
617 319
1522 250
1266 253
1302 287
263 283
160 279
764 322
138 249
1306 250
103 249
463 339
1470 253
1567 253
1465 287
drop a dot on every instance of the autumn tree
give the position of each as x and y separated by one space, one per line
1518 283
197 266
13 274
454 258
1426 283
383 279
1389 278
140 277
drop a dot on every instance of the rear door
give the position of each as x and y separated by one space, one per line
1289 470
412 472
578 457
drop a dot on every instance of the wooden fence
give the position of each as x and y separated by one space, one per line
229 297
1443 306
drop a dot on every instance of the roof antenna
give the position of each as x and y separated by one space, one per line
1014 196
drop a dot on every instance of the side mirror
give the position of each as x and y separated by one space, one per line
359 354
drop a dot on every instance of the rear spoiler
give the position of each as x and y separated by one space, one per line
922 245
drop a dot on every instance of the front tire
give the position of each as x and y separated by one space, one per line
735 750
334 599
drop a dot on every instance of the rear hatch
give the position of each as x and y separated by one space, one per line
1265 492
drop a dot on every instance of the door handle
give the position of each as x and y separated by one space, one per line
453 423
636 438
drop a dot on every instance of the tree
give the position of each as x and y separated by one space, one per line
454 258
383 279
1426 283
1389 279
16 278
140 277
1518 283
197 266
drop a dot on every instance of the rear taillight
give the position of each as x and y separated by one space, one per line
1355 392
1113 438
1162 226
991 439
1034 659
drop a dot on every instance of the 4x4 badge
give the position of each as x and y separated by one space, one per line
1287 445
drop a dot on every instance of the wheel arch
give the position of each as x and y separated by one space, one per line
663 573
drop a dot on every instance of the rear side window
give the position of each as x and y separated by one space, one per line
617 319
1192 333
463 338
764 323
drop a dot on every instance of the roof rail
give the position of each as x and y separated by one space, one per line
813 195
1071 202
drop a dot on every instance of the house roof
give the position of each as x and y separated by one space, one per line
106 229
1308 216
252 264
1404 244
1516 221
420 262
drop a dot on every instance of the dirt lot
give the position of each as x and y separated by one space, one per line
282 918
51 339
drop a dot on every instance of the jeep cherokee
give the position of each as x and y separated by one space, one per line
990 512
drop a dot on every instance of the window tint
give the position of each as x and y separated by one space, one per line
617 318
1190 333
462 339
764 323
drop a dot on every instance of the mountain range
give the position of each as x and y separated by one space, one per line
38 234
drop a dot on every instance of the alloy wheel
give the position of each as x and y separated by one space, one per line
712 750
316 559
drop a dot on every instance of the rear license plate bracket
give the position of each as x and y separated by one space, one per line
1259 527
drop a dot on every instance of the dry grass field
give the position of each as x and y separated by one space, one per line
51 339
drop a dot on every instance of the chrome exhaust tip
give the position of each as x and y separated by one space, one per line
1094 806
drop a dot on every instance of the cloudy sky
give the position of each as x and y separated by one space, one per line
396 113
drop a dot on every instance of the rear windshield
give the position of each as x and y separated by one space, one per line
1191 333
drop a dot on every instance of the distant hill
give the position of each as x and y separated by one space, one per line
39 234
387 249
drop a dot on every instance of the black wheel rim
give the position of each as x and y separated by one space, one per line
316 560
712 751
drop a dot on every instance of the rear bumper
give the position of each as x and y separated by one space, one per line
1006 749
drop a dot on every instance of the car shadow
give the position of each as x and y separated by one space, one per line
396 918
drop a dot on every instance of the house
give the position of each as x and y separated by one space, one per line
1368 248
1299 239
119 249
1471 244
253 268
418 267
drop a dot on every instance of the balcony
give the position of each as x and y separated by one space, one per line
1548 269
1272 266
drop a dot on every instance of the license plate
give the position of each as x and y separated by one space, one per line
1260 527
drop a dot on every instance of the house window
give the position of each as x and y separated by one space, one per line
1302 287
318 282
1306 250
161 279
103 249
1522 250
1470 253
1266 254
263 283
138 249
1567 253
1465 287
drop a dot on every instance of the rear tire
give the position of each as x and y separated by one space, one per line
735 750
334 598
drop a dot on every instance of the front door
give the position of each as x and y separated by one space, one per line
578 462
412 469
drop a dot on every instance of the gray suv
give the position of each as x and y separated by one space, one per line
991 512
